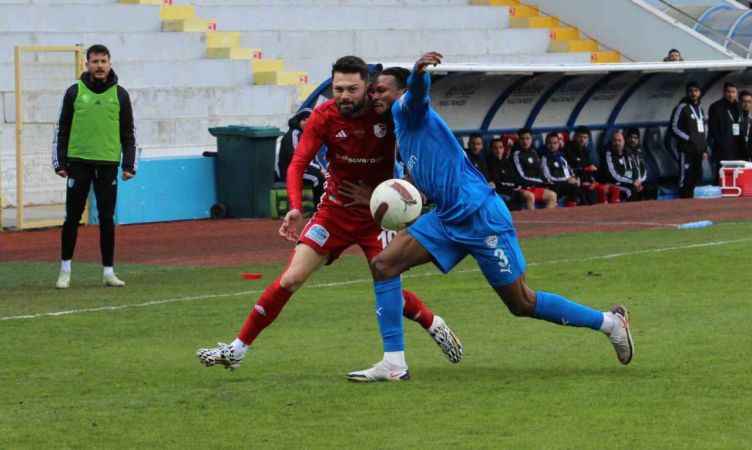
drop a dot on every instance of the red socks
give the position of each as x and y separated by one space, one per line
416 310
264 312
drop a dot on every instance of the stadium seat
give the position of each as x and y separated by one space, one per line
662 162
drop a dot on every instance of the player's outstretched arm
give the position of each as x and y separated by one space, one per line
416 99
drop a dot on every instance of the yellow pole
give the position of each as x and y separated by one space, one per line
19 130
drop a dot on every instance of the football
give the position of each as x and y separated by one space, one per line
395 204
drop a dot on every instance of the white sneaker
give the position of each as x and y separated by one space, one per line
112 281
223 354
63 280
446 339
621 336
381 371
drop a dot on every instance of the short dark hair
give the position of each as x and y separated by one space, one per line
582 129
745 93
728 84
98 49
351 64
400 75
674 50
497 139
632 132
522 131
552 135
475 136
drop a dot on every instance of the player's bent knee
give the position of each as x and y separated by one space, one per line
382 269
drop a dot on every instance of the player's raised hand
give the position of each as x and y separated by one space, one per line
360 194
290 225
428 59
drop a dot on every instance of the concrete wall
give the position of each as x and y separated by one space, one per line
639 33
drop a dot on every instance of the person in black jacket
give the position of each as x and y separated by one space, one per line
94 135
633 149
476 153
505 179
688 127
315 173
745 138
620 169
724 126
557 172
528 166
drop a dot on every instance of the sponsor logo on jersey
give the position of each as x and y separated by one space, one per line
379 130
318 234
341 134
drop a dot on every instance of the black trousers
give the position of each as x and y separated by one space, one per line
690 165
81 176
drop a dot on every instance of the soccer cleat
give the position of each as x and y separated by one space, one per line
223 355
381 371
112 281
621 336
445 338
63 280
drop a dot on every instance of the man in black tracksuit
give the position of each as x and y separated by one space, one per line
557 172
724 126
745 139
476 153
94 130
620 168
577 155
504 177
529 170
315 173
688 127
633 149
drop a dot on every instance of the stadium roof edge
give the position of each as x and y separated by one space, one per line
584 69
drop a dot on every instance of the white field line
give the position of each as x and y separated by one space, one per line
362 281
599 223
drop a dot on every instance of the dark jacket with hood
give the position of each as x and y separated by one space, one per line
290 142
580 162
723 119
688 127
504 175
60 158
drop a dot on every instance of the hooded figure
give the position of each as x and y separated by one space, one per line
315 174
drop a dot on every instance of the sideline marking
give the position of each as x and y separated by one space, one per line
363 281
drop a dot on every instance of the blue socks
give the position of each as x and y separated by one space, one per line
557 309
389 304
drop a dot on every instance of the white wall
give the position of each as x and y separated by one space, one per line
639 33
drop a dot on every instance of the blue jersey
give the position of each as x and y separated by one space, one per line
438 165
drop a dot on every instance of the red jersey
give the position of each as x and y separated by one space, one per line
359 149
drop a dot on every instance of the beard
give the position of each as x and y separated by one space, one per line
350 109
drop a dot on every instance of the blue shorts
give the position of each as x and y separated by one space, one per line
488 235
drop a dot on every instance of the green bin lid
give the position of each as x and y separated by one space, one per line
243 130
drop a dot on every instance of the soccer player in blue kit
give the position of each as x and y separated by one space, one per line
469 218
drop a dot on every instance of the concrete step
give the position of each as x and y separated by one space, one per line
280 18
134 75
143 46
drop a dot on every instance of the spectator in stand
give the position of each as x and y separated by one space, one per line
476 152
745 140
688 127
620 171
724 126
315 173
505 179
673 55
643 191
528 166
557 171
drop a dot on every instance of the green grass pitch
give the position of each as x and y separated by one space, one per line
128 378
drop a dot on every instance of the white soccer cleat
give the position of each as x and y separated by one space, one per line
63 280
223 355
112 281
445 338
621 336
381 371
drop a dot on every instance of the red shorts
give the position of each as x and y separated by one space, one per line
333 229
537 193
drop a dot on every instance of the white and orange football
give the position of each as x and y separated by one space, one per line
395 204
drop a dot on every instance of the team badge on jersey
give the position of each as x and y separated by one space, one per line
379 130
318 234
71 183
492 241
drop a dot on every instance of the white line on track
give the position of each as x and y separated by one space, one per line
363 281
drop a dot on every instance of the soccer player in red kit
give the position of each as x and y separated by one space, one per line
361 152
